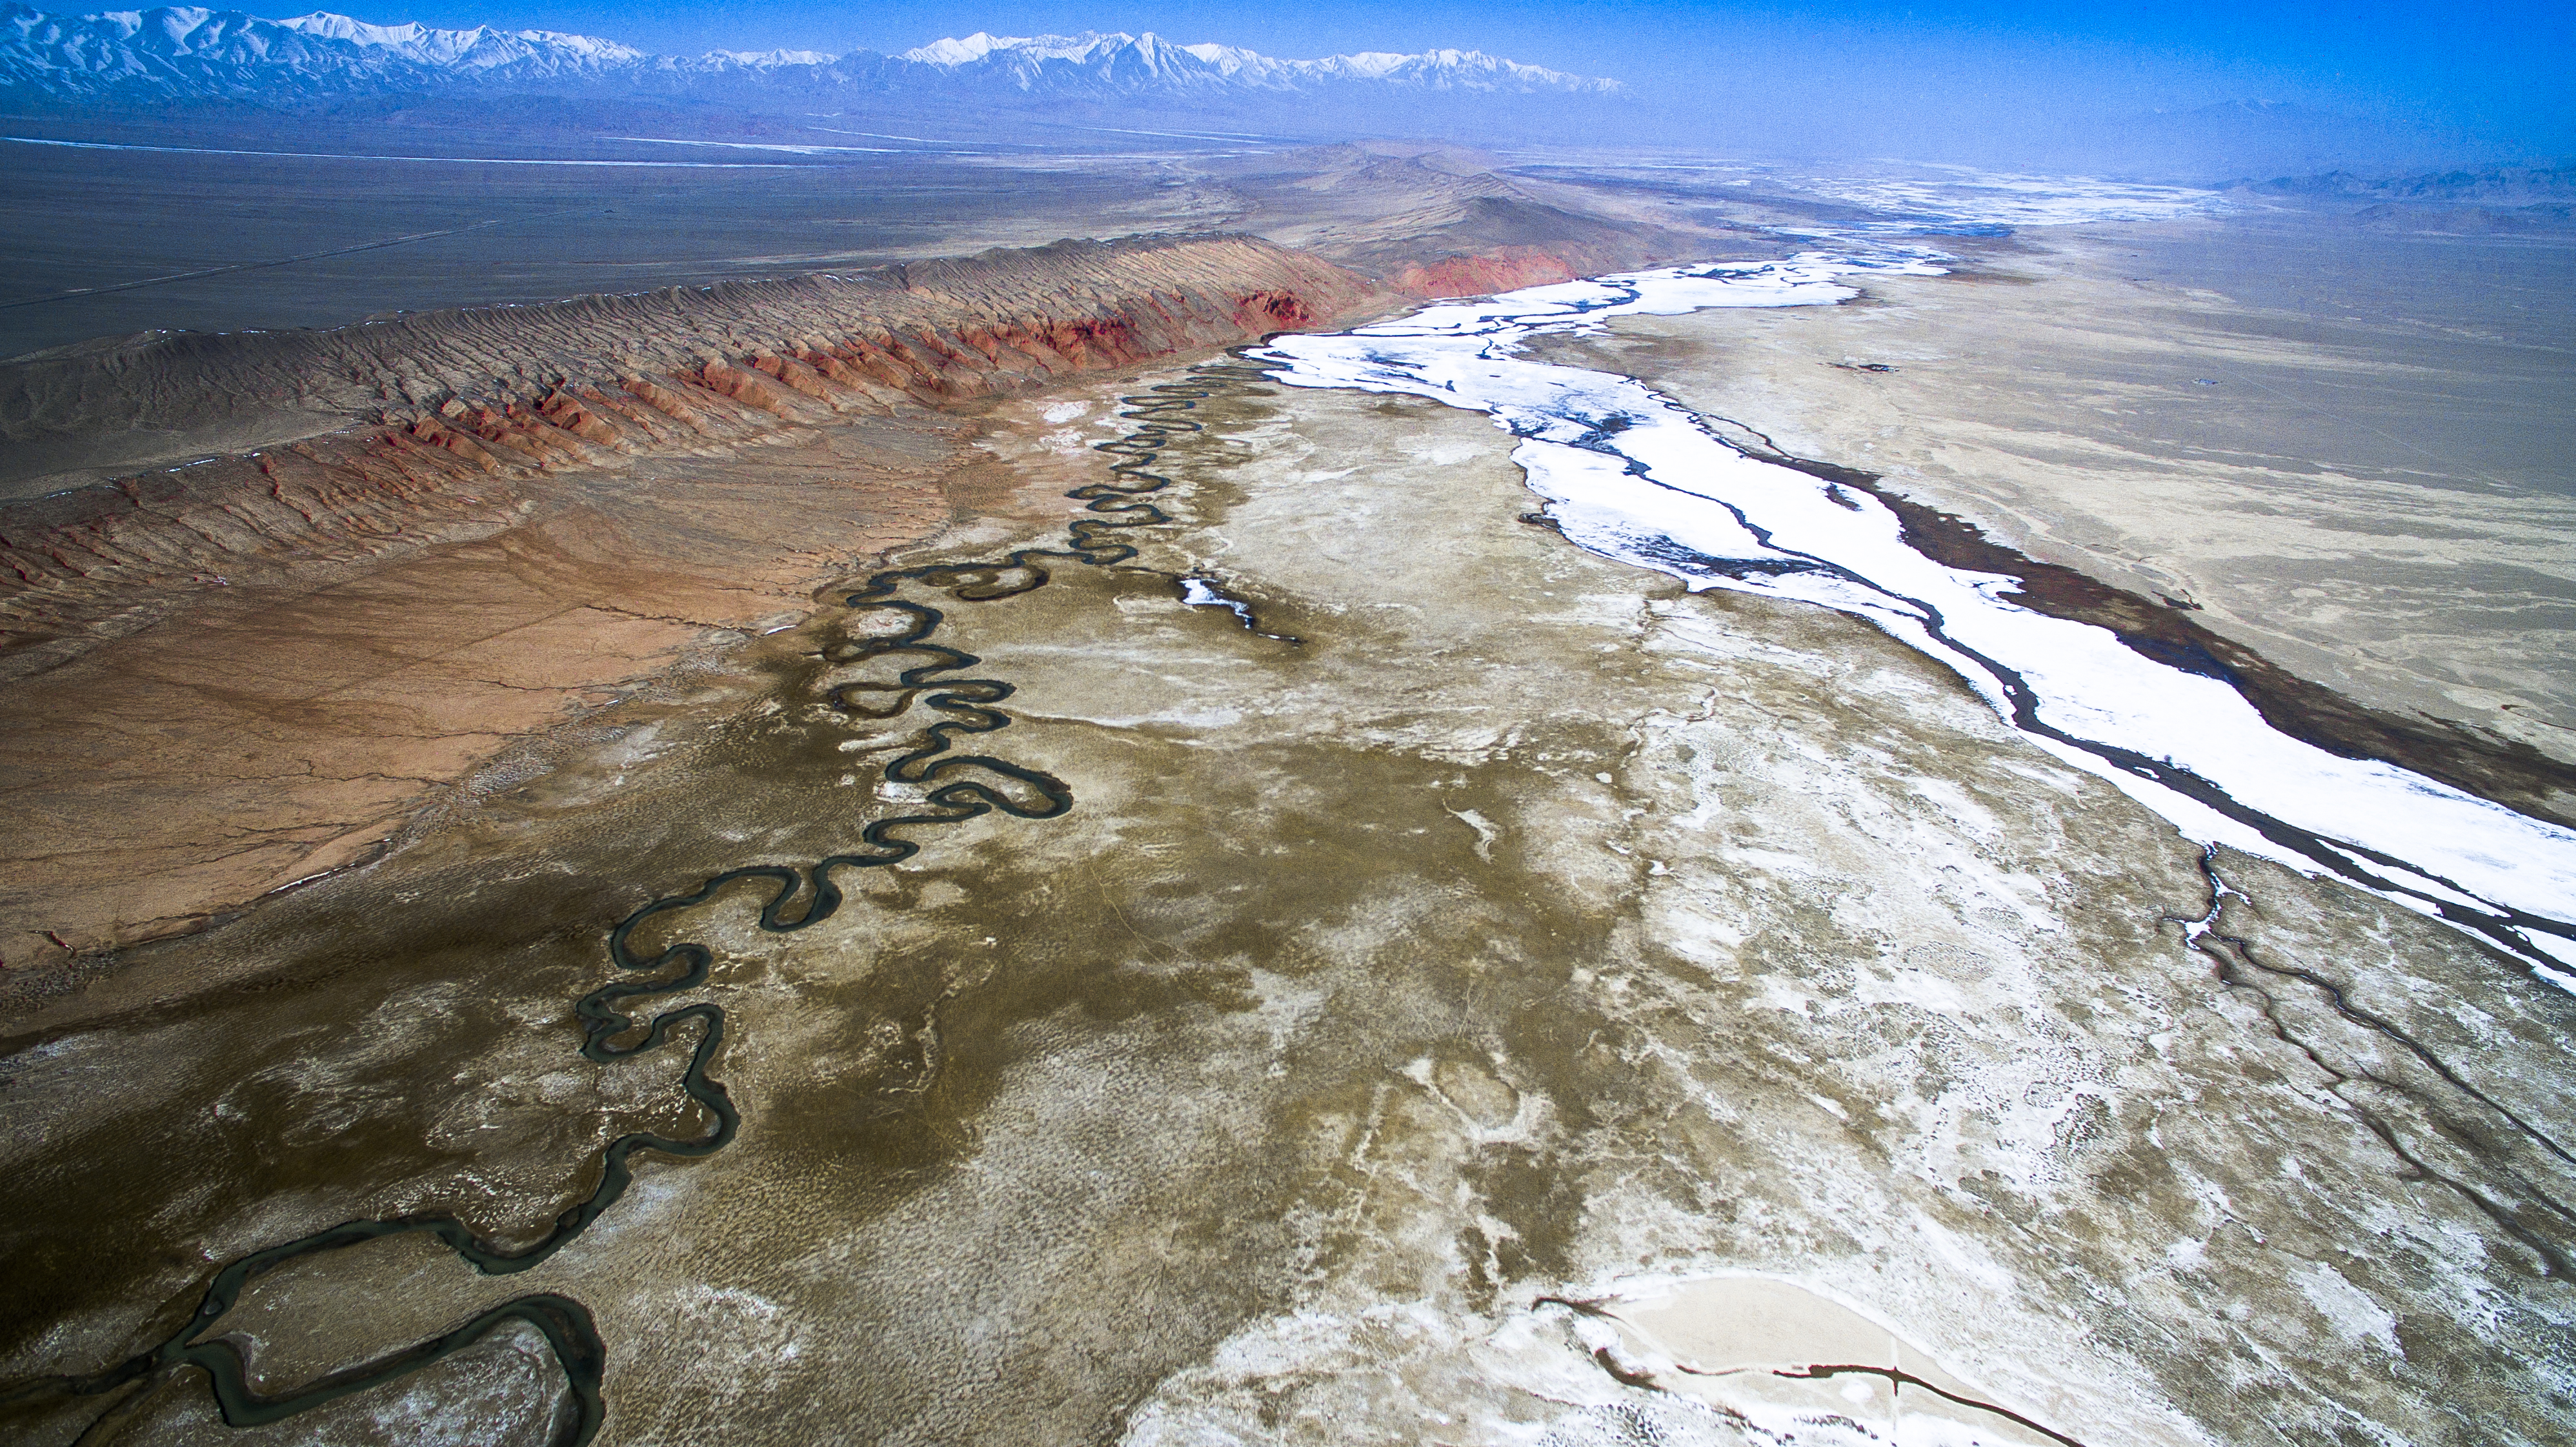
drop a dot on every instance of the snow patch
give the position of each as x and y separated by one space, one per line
1631 475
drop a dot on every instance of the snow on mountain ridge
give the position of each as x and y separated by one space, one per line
480 47
1435 69
767 59
953 51
194 52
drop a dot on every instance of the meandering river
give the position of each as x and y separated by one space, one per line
1443 950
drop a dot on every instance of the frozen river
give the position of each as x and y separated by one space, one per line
1629 474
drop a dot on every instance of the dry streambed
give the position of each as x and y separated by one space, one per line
424 539
1406 1035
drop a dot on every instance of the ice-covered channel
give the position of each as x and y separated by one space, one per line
1629 474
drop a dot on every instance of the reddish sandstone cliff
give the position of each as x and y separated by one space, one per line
366 439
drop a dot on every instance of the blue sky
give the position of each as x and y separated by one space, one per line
2502 71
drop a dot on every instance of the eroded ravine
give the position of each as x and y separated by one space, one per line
1536 929
2531 1214
957 787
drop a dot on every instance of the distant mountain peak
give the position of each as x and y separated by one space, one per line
954 51
1026 60
764 59
194 53
480 47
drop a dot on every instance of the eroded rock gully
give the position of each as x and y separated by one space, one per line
434 534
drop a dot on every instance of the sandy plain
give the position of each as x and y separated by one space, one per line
1408 1035
2345 447
286 679
97 253
233 231
191 722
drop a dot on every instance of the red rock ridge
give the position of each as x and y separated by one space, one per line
1505 268
101 560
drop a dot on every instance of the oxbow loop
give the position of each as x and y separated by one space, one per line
1159 414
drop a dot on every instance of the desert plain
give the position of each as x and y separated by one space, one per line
1472 990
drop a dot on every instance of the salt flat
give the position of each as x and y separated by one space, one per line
1184 908
1401 1029
2345 446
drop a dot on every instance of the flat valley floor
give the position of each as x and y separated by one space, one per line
2347 447
1479 993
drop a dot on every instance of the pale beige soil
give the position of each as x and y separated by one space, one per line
1529 930
1753 1345
286 726
226 678
2379 502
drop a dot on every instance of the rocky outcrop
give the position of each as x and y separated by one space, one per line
1502 241
99 408
440 538
1504 269
350 442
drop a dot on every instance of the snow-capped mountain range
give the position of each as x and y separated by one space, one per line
1148 62
195 53
188 53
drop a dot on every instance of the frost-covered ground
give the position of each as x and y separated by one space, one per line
1399 1036
1486 990
1631 475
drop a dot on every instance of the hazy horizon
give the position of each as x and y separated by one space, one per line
2487 86
1870 740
